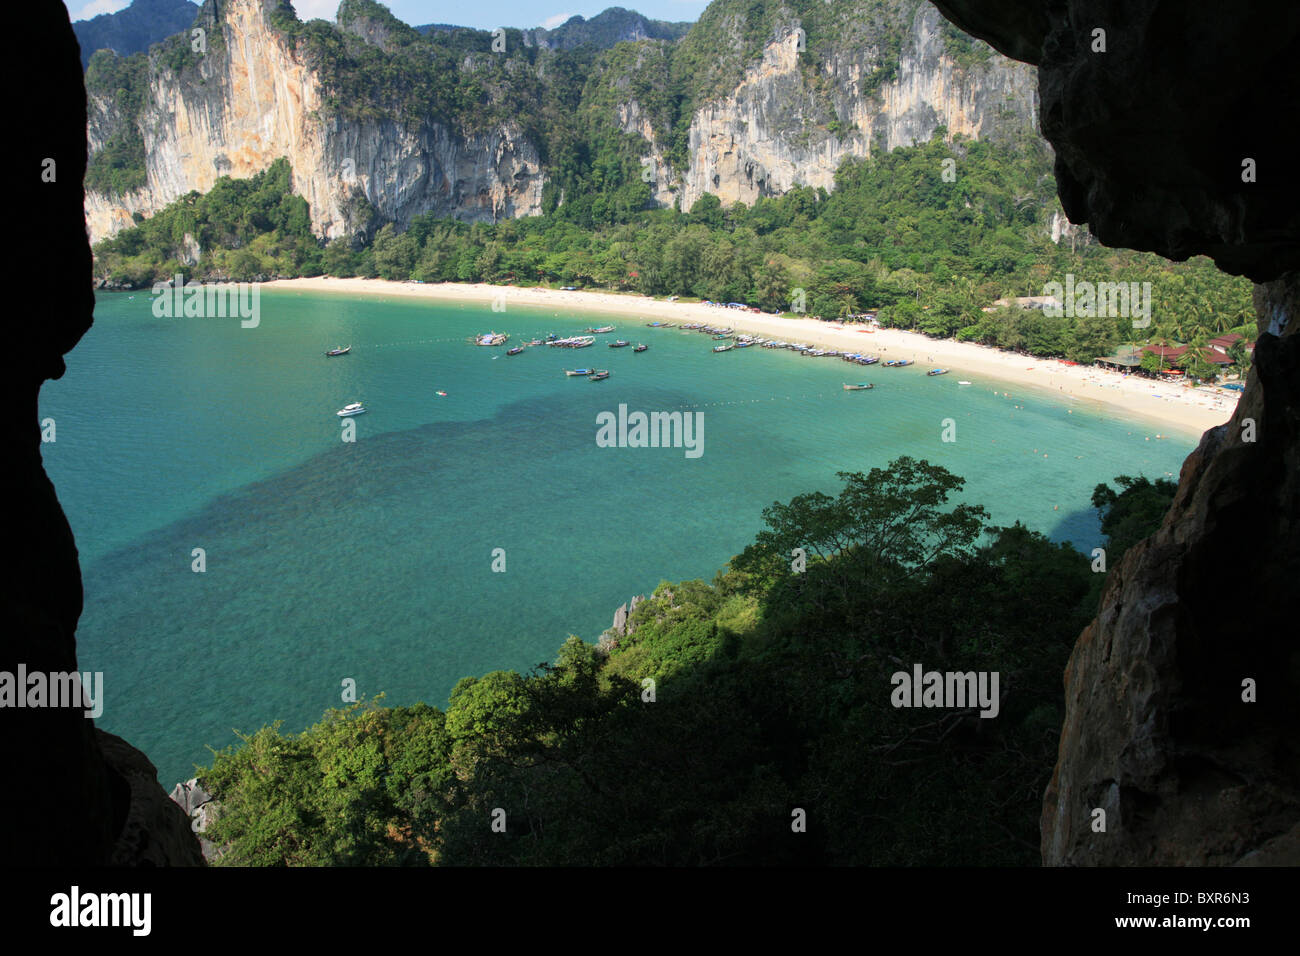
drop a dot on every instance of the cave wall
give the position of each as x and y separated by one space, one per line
70 794
1152 137
1149 138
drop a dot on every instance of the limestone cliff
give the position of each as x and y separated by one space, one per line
776 129
253 98
787 111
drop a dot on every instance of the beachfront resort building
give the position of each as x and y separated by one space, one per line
1128 358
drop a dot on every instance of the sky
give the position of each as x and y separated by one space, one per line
483 14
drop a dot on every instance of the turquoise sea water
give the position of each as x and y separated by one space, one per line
373 560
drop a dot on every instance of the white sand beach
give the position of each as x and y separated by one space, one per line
1180 407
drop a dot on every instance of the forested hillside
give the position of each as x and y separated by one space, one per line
730 707
895 235
607 116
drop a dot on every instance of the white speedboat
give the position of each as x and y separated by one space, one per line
356 408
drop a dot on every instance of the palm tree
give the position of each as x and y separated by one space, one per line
1179 323
1163 333
1220 322
848 304
1194 360
1162 342
1240 356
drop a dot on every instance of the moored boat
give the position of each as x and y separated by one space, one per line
861 386
338 351
897 363
640 348
599 376
356 408
573 373
601 330
620 344
491 338
723 348
937 371
515 351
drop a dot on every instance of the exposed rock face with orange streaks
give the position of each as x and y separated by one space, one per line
768 134
788 122
257 100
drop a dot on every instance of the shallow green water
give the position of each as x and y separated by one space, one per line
373 560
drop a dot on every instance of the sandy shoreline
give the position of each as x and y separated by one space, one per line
1187 410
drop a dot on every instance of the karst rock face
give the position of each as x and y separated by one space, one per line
69 794
1171 140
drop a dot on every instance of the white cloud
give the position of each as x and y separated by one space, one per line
95 7
316 9
550 23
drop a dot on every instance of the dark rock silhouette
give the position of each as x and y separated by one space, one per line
71 794
1151 139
